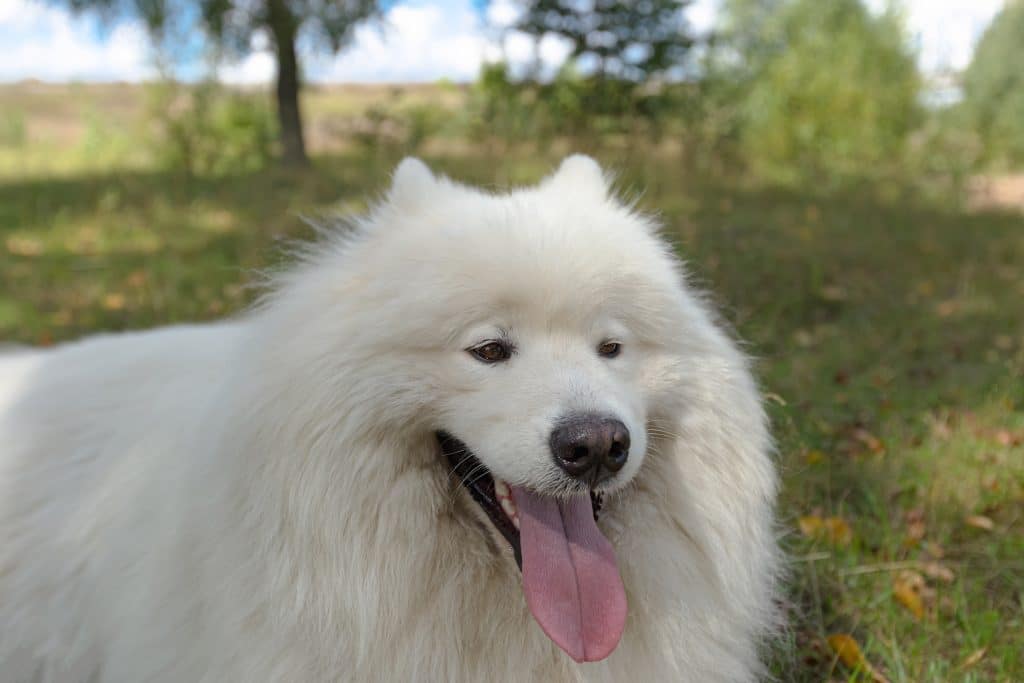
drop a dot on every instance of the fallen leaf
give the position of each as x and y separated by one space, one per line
803 338
839 531
113 301
833 293
849 653
835 530
873 443
940 572
810 525
980 522
24 246
848 650
907 593
973 658
915 525
942 429
136 279
814 457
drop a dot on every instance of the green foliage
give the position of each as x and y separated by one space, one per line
208 130
583 109
614 39
994 88
750 31
422 122
837 98
613 81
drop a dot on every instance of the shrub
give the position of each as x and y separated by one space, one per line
209 130
994 88
839 97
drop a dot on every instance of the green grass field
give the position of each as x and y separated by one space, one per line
889 338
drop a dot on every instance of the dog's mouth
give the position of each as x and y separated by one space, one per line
492 495
570 577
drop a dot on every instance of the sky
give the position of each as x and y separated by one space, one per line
417 41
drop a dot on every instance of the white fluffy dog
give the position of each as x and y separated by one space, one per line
476 437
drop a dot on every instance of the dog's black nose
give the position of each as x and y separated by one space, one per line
590 448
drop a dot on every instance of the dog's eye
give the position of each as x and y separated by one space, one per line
491 352
609 349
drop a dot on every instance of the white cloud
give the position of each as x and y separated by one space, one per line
48 43
947 31
417 42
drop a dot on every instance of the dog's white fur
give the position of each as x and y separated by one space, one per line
263 499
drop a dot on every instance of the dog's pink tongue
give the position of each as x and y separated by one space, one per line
570 577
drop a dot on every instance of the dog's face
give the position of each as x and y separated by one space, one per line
554 405
538 334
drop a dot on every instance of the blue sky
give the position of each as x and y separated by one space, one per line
419 41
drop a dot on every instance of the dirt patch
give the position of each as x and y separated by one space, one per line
997 192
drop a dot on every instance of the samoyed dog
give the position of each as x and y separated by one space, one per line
470 437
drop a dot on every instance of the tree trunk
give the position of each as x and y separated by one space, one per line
284 27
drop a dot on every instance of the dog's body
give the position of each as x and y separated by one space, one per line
264 499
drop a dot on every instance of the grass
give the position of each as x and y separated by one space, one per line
889 337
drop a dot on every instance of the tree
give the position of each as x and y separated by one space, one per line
231 24
747 36
836 95
994 87
617 39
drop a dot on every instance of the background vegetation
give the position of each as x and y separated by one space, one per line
867 245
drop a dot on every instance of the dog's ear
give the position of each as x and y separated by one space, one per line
411 179
579 174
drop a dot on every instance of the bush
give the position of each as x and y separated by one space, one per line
583 109
838 99
994 88
209 130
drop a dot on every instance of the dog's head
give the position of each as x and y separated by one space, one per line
534 337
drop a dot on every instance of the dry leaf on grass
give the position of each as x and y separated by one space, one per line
940 572
136 279
911 591
849 653
24 246
915 526
872 442
835 530
113 301
814 457
973 658
908 597
980 522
